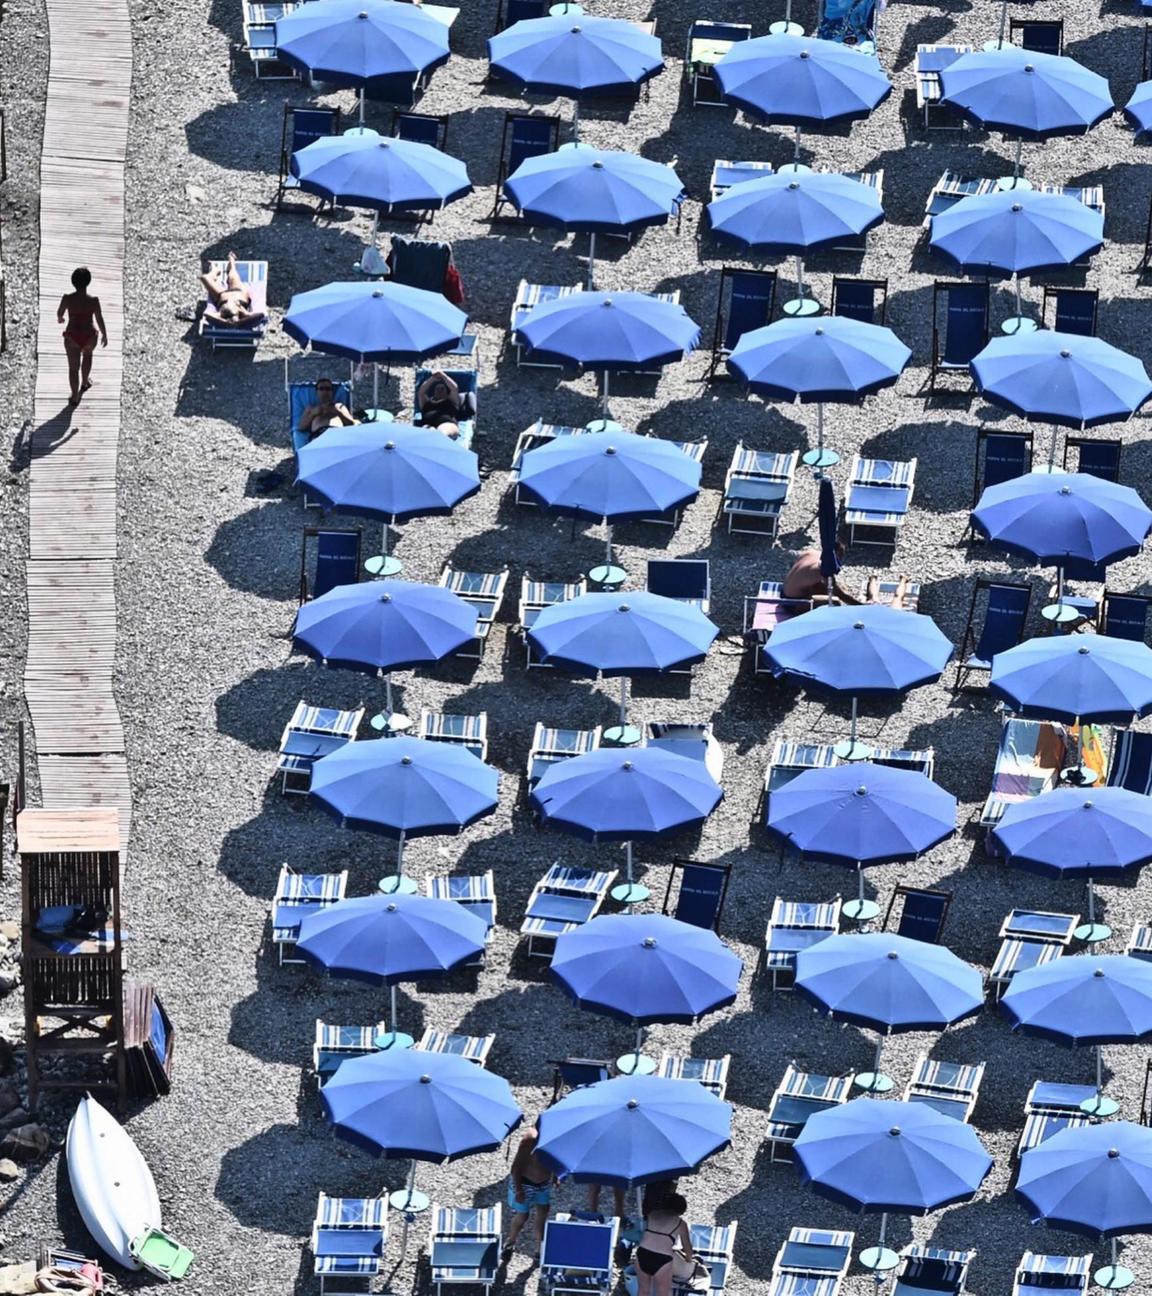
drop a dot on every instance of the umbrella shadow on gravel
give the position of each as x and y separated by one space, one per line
242 135
254 551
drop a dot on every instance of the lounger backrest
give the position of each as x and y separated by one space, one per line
750 298
522 10
1125 617
1039 36
702 888
922 917
311 124
419 263
571 1245
418 128
337 560
966 322
678 578
529 137
855 299
1006 457
1075 311
303 394
1081 569
1131 763
1003 621
1099 459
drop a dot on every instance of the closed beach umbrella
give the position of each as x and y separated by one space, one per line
1095 1180
826 518
374 171
874 1155
633 1130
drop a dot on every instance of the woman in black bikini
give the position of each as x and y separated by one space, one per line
84 318
664 1232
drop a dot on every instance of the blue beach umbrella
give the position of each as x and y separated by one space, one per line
1095 1180
385 174
1138 109
795 212
380 322
1076 677
633 1130
425 1106
594 191
874 1155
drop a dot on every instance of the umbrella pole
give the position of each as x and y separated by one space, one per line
628 864
604 396
409 1201
1020 141
1052 448
400 855
591 257
387 682
1003 23
362 97
1016 285
796 144
800 278
576 116
624 714
607 543
392 1011
375 379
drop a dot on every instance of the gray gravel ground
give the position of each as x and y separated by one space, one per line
207 680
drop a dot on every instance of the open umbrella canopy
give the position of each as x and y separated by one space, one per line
801 81
1085 999
859 650
1094 1179
862 813
1017 231
382 322
633 1130
889 982
595 191
408 786
427 1106
1138 109
389 625
373 171
875 1155
1097 831
1062 378
388 470
616 331
1055 516
614 475
384 939
1076 677
1025 94
348 42
795 212
612 795
622 633
829 358
646 968
575 56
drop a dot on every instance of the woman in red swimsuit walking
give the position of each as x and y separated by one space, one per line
84 318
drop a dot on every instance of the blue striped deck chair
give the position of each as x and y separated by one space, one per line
485 592
337 559
1140 942
527 296
464 1246
695 741
301 127
577 1255
1074 310
1005 618
475 891
217 330
725 174
788 759
576 1072
756 488
540 433
348 1241
715 1245
931 60
812 1262
258 38
948 191
1029 938
469 731
708 42
300 396
1000 457
798 1096
535 596
931 1269
922 760
297 895
564 899
863 300
1041 1275
878 498
336 1044
795 925
312 732
525 136
550 745
952 1088
1130 763
475 1048
1051 1107
959 328
745 298
712 1073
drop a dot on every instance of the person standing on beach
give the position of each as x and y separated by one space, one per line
84 318
529 1191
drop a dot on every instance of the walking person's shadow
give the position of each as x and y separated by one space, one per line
47 437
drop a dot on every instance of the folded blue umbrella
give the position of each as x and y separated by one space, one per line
388 470
575 56
801 81
613 475
389 625
1084 999
1017 231
873 1155
646 968
859 650
618 795
383 322
1138 109
374 171
826 518
1100 831
824 359
1055 516
1076 677
889 982
405 787
349 42
383 939
622 633
613 331
427 1106
633 1130
1062 378
795 212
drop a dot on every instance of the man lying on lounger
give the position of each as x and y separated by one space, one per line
325 411
229 294
805 581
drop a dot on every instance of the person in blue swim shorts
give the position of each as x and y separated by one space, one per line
529 1192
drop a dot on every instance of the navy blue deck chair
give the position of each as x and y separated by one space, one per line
703 890
963 333
1130 765
336 559
419 263
525 136
1125 616
575 1073
922 913
1038 35
420 128
688 580
707 38
1005 617
1000 457
1096 456
514 11
1074 310
744 303
301 127
865 300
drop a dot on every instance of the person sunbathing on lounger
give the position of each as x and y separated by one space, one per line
805 581
442 404
325 411
229 294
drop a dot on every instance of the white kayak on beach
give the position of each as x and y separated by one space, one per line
111 1182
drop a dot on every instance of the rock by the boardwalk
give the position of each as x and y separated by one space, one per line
9 1170
18 1279
10 930
9 1097
8 982
25 1143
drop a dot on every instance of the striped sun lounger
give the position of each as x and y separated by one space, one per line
473 1047
951 187
222 334
795 925
348 1238
336 1044
1044 1274
297 895
712 1073
464 1246
1028 763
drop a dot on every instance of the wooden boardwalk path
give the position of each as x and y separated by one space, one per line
72 494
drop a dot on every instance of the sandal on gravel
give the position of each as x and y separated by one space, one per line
505 1254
